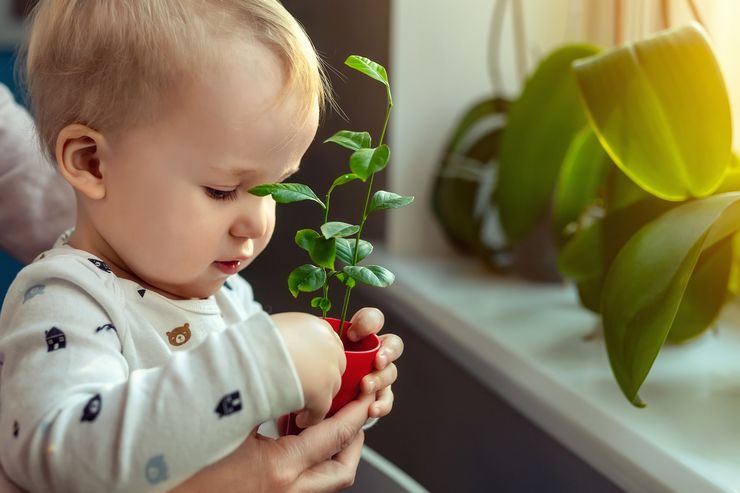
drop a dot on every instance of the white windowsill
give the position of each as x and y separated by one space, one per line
525 341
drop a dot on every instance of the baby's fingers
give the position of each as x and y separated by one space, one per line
391 348
380 379
383 404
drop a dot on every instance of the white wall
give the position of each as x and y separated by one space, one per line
439 67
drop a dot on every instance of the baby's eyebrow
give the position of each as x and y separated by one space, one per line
231 171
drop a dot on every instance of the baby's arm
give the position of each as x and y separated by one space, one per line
78 419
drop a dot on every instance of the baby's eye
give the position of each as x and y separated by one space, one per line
217 194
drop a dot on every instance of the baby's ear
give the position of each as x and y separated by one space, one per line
78 152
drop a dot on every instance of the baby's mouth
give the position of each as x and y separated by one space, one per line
229 266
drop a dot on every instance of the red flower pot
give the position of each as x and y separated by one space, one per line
360 362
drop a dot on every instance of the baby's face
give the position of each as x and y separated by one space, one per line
177 214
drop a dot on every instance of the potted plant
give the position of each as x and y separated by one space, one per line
336 249
627 152
661 112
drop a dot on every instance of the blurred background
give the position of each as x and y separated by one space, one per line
448 430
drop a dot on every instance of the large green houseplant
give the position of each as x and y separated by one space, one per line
660 110
629 151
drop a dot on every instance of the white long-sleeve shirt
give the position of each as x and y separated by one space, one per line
106 386
36 204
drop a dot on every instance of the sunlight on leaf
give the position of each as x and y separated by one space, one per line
661 110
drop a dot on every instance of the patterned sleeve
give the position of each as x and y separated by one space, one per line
77 418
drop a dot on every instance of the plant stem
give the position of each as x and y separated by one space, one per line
326 219
326 296
348 290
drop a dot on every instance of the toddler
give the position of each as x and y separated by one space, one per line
132 353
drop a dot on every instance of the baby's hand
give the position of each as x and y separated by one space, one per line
369 321
318 356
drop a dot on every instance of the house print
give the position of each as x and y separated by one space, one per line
55 339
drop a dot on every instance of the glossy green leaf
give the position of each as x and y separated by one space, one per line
661 110
346 280
306 278
372 275
542 123
365 162
321 303
346 250
336 229
649 278
351 140
321 250
388 200
344 179
305 238
368 67
286 193
582 177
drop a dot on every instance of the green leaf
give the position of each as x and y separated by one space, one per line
351 140
368 67
305 238
582 177
346 250
321 250
336 229
373 275
306 278
346 280
321 303
346 178
285 193
542 123
661 110
324 252
365 162
388 200
580 258
705 294
648 281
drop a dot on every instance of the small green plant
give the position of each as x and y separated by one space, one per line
339 241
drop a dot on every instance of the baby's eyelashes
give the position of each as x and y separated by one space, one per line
217 194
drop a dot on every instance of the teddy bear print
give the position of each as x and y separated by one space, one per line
179 335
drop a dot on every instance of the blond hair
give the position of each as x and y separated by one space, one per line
111 64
